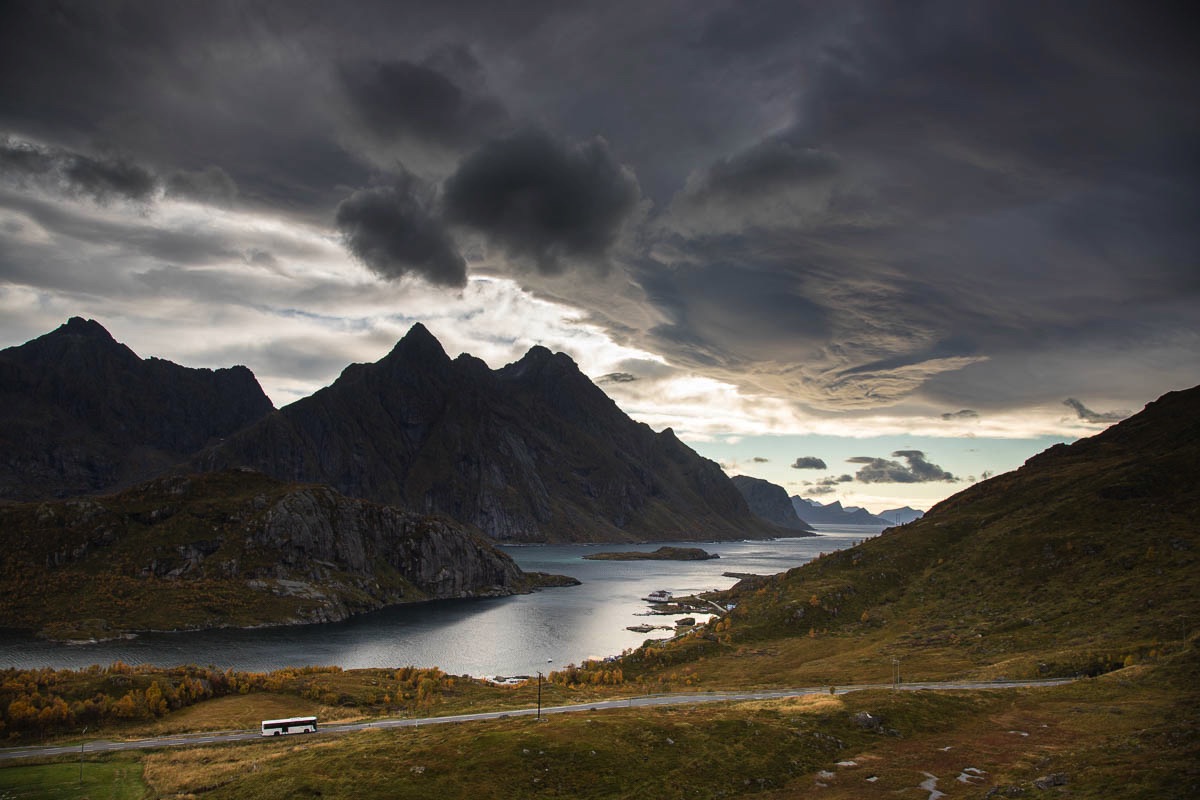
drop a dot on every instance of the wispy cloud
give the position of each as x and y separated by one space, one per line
1087 415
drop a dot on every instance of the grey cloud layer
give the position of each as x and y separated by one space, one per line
916 469
963 205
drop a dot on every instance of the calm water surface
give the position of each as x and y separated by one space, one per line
497 636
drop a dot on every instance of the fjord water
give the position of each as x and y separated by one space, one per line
517 635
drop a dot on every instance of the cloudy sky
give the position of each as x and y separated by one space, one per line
869 251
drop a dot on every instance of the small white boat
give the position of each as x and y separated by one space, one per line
658 596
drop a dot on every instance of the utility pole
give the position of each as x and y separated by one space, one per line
539 713
81 744
895 674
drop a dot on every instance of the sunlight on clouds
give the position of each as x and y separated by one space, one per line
211 287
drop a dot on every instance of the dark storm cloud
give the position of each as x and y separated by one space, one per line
100 178
917 470
544 200
402 99
809 462
208 185
975 205
394 231
1087 415
965 413
988 204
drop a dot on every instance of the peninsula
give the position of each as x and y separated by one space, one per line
661 554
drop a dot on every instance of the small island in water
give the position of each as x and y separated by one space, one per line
661 554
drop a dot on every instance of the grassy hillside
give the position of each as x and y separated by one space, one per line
1082 561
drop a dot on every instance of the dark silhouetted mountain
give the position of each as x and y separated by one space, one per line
533 451
83 413
229 548
770 502
833 514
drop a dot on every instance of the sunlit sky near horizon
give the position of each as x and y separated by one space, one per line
868 251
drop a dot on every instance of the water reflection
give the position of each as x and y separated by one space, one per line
496 636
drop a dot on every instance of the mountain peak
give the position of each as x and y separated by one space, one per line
79 326
419 345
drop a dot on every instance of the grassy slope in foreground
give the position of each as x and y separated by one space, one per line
1128 734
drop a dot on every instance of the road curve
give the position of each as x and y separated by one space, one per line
645 701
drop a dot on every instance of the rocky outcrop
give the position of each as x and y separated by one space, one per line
80 413
531 452
233 548
770 502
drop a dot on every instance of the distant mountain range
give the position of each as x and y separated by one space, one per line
834 513
770 502
530 452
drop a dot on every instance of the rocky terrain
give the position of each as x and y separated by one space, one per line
770 502
531 452
80 413
230 548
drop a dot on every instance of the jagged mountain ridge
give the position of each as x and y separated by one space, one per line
533 451
83 413
833 514
770 501
230 548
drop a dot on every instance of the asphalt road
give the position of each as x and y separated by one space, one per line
672 699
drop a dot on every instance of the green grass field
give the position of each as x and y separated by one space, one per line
113 778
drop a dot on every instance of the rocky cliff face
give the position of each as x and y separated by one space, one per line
770 502
80 412
530 452
232 548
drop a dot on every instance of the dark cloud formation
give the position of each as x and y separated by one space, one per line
399 99
760 460
1087 415
809 462
543 199
965 413
394 231
917 469
935 205
100 178
616 377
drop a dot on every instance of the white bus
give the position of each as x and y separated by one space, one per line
278 727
